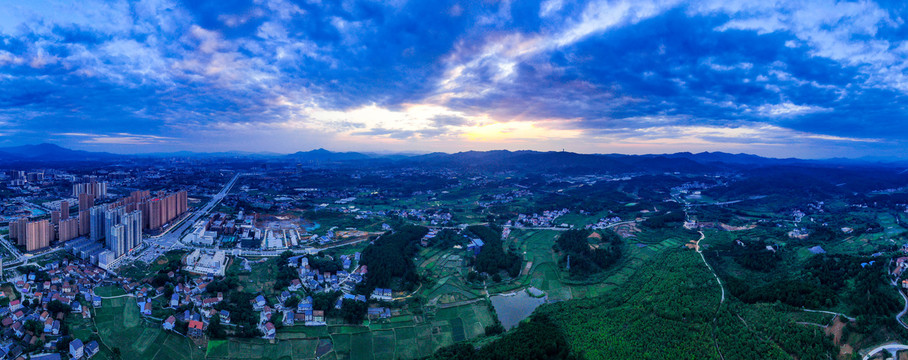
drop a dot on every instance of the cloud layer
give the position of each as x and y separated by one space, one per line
816 78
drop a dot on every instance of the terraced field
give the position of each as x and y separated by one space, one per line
404 337
119 325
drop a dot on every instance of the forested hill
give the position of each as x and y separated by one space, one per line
666 311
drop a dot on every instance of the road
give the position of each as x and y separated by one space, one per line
892 348
830 313
12 249
271 253
156 246
721 287
558 228
23 261
697 244
898 317
169 239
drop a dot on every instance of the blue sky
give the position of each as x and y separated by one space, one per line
802 78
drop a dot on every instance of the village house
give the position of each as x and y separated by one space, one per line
196 329
268 330
169 323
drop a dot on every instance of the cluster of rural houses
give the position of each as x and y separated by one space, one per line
546 219
44 298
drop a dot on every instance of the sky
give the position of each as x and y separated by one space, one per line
808 79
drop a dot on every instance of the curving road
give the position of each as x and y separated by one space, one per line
703 236
898 317
891 348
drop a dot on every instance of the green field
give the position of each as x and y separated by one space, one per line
139 270
404 337
120 327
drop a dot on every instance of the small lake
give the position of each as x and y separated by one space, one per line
513 308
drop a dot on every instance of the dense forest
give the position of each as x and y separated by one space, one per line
769 332
672 218
447 238
584 259
665 311
493 258
391 256
537 338
802 184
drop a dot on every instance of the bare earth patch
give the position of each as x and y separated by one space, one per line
693 244
835 329
8 291
727 227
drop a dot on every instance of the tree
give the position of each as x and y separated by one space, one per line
492 257
55 306
34 326
354 312
584 259
160 279
292 302
277 318
391 256
494 329
215 329
325 300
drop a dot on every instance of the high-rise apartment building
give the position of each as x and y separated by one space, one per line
133 223
115 239
126 235
68 229
86 201
96 222
94 188
121 222
54 216
113 217
34 176
38 235
164 209
33 235
64 210
84 222
17 230
121 230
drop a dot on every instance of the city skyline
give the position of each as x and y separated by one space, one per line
811 80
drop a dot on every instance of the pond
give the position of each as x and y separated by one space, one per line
513 308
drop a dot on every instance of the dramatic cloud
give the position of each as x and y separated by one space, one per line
815 78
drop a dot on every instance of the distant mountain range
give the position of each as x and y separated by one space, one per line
567 162
51 152
325 155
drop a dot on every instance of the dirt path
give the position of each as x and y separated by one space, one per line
721 287
697 247
830 313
